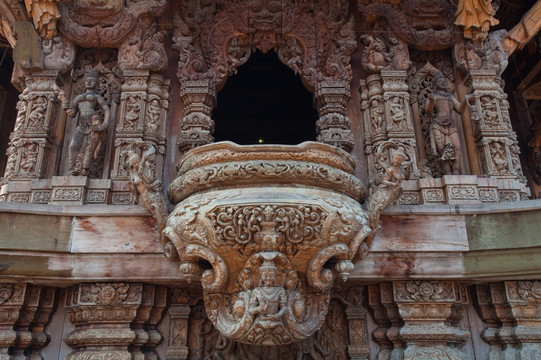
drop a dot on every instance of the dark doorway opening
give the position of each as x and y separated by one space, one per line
265 102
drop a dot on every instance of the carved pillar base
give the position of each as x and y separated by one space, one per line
512 313
356 316
425 306
197 126
24 312
333 126
181 300
114 320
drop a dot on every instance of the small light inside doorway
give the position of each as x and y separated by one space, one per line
260 141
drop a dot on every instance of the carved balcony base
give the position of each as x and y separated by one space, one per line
266 229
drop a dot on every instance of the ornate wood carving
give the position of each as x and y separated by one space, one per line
104 24
427 25
213 41
511 312
24 312
425 306
330 342
109 317
268 283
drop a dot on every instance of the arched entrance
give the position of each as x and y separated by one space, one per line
265 102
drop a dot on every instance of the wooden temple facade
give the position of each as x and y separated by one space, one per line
270 179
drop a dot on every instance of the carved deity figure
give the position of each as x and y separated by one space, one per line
477 16
269 300
377 114
388 190
88 127
375 55
443 132
142 171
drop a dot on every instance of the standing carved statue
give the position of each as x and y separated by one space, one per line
143 180
88 126
269 300
477 16
443 132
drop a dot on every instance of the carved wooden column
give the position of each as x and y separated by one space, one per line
385 312
489 314
333 126
102 314
145 323
31 337
179 311
356 316
399 125
30 152
374 124
495 138
131 119
24 312
512 313
425 306
197 126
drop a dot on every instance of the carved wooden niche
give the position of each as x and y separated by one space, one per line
314 38
104 62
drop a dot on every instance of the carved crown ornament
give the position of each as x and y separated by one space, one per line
267 228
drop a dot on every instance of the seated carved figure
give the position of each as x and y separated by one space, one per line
269 300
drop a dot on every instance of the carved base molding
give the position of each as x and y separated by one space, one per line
462 189
68 190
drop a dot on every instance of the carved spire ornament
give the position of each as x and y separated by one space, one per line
274 227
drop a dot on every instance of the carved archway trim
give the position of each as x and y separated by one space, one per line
315 39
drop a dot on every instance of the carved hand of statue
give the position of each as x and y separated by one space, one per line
98 127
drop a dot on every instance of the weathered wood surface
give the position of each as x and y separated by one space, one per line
115 235
421 233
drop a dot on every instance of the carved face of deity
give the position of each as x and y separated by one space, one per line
268 275
398 158
90 82
441 83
